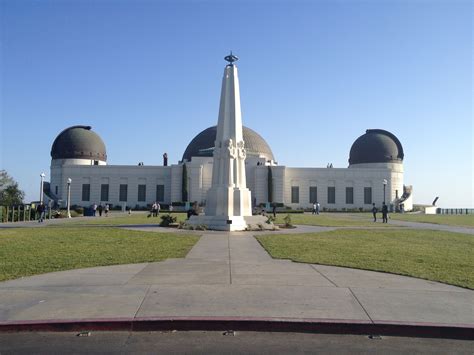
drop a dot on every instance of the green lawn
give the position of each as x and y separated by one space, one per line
451 220
432 255
332 220
31 251
117 218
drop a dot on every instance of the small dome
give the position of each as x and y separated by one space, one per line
203 144
78 142
376 146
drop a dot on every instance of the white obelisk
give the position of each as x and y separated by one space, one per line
228 200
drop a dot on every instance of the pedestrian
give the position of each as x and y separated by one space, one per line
314 208
100 208
384 213
94 209
106 210
318 206
374 212
171 208
158 208
40 210
274 210
154 210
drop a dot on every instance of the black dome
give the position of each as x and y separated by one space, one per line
78 142
202 145
376 146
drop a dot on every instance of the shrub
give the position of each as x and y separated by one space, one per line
167 219
270 219
287 220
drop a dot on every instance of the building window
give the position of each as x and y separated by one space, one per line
313 194
141 193
56 189
367 195
331 194
349 195
396 194
295 194
123 192
86 192
160 193
104 192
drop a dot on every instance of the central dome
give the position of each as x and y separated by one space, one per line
203 144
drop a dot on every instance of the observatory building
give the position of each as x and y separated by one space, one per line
374 174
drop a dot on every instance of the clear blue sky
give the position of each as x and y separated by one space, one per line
314 76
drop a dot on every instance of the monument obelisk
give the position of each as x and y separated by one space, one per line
228 203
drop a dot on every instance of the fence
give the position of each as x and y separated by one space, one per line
455 211
20 213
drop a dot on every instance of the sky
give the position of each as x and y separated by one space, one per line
314 75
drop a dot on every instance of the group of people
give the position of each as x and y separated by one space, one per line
384 212
155 209
105 209
316 207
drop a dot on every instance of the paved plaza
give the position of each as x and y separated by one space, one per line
229 276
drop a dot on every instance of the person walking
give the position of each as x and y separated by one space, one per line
154 210
40 210
274 210
384 213
318 206
314 208
94 209
106 210
158 208
374 212
100 208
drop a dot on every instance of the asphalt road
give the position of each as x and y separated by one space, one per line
199 342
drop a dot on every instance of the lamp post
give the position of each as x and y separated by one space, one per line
68 197
384 186
42 175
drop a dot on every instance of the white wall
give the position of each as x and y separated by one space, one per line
200 176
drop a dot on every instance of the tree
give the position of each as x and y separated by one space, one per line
10 193
270 184
184 184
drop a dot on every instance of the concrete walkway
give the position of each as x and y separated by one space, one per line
230 276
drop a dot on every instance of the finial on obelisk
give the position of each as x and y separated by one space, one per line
231 58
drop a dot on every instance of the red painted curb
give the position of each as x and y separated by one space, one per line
298 325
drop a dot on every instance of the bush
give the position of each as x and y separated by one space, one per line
79 210
167 219
287 220
270 219
178 204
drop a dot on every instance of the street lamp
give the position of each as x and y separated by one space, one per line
68 197
42 175
384 186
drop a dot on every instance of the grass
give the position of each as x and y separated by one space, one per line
31 251
331 220
432 255
451 220
118 218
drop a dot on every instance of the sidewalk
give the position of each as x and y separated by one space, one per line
229 278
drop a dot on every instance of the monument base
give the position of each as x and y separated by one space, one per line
230 223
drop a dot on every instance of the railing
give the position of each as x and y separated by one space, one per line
20 213
455 211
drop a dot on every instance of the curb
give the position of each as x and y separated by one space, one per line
297 325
